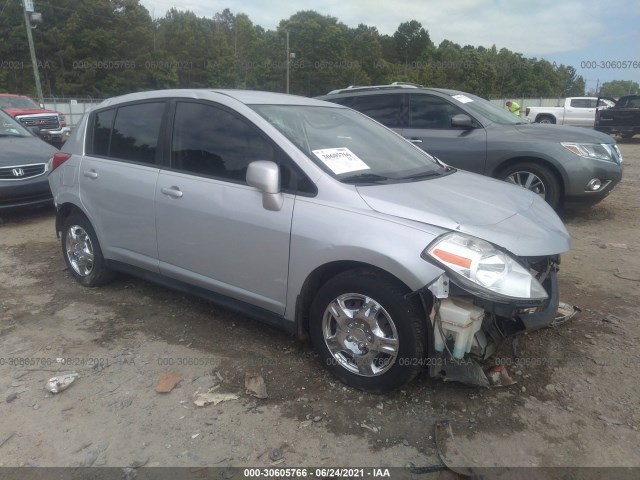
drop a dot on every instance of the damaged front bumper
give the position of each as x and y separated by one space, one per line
468 328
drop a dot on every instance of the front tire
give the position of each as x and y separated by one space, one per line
82 252
367 334
536 178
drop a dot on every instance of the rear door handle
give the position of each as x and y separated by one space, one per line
173 192
90 173
415 140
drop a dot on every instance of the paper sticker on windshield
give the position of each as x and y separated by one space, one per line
340 160
463 98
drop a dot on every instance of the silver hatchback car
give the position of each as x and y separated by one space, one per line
311 217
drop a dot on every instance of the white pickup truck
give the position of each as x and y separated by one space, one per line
577 111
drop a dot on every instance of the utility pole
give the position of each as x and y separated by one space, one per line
290 55
28 10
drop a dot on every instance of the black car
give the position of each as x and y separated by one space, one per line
23 166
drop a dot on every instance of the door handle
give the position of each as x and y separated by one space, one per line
173 192
90 173
415 140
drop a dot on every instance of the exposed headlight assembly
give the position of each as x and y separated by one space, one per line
482 269
596 151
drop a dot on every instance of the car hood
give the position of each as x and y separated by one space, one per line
24 150
562 133
28 111
505 215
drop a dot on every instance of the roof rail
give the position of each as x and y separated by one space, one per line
351 88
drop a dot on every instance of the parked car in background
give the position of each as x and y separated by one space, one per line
23 166
561 164
52 125
313 218
576 111
622 119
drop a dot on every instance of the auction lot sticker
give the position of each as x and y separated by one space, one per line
463 98
340 160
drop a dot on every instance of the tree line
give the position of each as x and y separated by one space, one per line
101 48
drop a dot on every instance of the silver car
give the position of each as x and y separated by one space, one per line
311 217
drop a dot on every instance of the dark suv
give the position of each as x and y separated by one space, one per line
559 163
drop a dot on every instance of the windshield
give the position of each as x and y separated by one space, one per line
17 102
488 110
350 146
10 127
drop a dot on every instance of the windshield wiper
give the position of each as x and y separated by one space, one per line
431 173
364 177
415 176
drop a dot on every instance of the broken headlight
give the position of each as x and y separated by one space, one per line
482 269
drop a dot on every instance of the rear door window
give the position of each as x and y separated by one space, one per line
583 102
386 109
130 132
136 131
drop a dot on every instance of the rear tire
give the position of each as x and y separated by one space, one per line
367 334
546 119
82 253
536 178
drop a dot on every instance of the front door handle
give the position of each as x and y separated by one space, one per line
173 192
90 173
415 140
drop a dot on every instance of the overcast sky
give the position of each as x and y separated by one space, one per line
571 32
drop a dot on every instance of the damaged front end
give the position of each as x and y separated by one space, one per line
484 296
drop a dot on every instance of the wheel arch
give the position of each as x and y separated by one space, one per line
63 212
316 279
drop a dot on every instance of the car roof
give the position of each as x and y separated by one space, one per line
248 97
384 89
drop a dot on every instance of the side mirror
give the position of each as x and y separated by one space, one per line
265 176
462 121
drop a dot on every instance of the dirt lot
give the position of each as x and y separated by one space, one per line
575 403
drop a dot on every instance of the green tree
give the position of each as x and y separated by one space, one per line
572 83
320 44
410 40
619 88
365 53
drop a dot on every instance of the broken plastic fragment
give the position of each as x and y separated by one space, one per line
564 313
202 399
61 382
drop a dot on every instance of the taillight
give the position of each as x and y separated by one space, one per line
57 160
